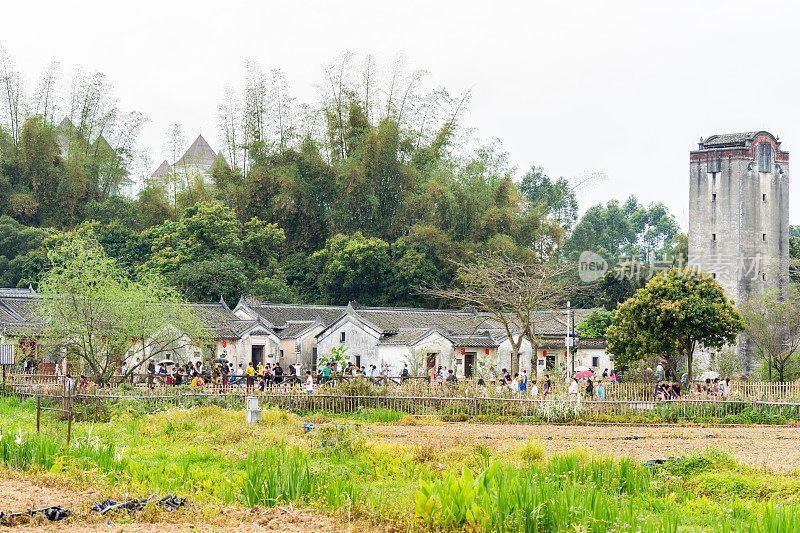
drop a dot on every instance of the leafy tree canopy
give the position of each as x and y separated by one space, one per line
677 311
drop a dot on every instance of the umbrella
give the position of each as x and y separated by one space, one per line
582 368
164 362
709 374
583 374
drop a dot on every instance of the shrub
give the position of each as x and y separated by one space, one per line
338 437
532 451
276 475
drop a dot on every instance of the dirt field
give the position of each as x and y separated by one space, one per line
19 495
776 448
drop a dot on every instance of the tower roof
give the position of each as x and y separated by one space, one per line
66 125
734 140
199 153
163 170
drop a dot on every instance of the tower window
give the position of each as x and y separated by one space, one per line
763 236
713 236
713 275
763 197
763 276
342 336
713 197
764 157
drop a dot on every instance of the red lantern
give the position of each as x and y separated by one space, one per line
544 353
224 344
487 351
463 351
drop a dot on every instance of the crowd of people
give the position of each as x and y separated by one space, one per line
588 384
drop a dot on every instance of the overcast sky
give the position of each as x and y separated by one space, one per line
622 88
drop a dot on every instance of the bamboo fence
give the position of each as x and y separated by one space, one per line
91 406
626 391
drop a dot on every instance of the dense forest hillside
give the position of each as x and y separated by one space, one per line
363 195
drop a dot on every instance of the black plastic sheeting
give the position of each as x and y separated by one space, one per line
168 502
51 513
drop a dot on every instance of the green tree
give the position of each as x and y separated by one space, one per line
595 324
616 230
677 311
210 235
154 205
92 310
353 268
772 324
21 252
211 279
555 198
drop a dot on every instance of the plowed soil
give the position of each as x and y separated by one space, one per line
773 447
20 495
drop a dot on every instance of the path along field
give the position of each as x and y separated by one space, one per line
24 494
771 447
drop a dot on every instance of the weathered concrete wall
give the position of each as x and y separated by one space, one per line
739 219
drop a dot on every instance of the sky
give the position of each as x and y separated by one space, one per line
619 89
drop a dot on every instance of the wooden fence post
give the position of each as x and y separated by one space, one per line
38 411
69 424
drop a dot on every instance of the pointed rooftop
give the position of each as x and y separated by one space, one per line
199 153
163 170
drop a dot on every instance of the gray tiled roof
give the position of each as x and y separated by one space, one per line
407 337
474 341
7 292
394 319
730 139
220 319
279 315
293 329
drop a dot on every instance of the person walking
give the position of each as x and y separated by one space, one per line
547 386
601 391
573 388
250 372
151 374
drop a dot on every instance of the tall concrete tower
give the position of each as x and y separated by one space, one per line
739 213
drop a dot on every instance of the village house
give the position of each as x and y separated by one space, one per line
470 343
466 341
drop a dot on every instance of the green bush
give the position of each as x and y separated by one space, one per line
276 475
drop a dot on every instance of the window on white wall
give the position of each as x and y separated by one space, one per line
342 336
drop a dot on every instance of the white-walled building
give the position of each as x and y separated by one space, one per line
472 344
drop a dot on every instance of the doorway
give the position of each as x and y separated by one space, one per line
258 355
430 361
469 363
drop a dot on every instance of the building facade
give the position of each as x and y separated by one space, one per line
739 214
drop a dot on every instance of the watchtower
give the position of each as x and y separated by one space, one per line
739 213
